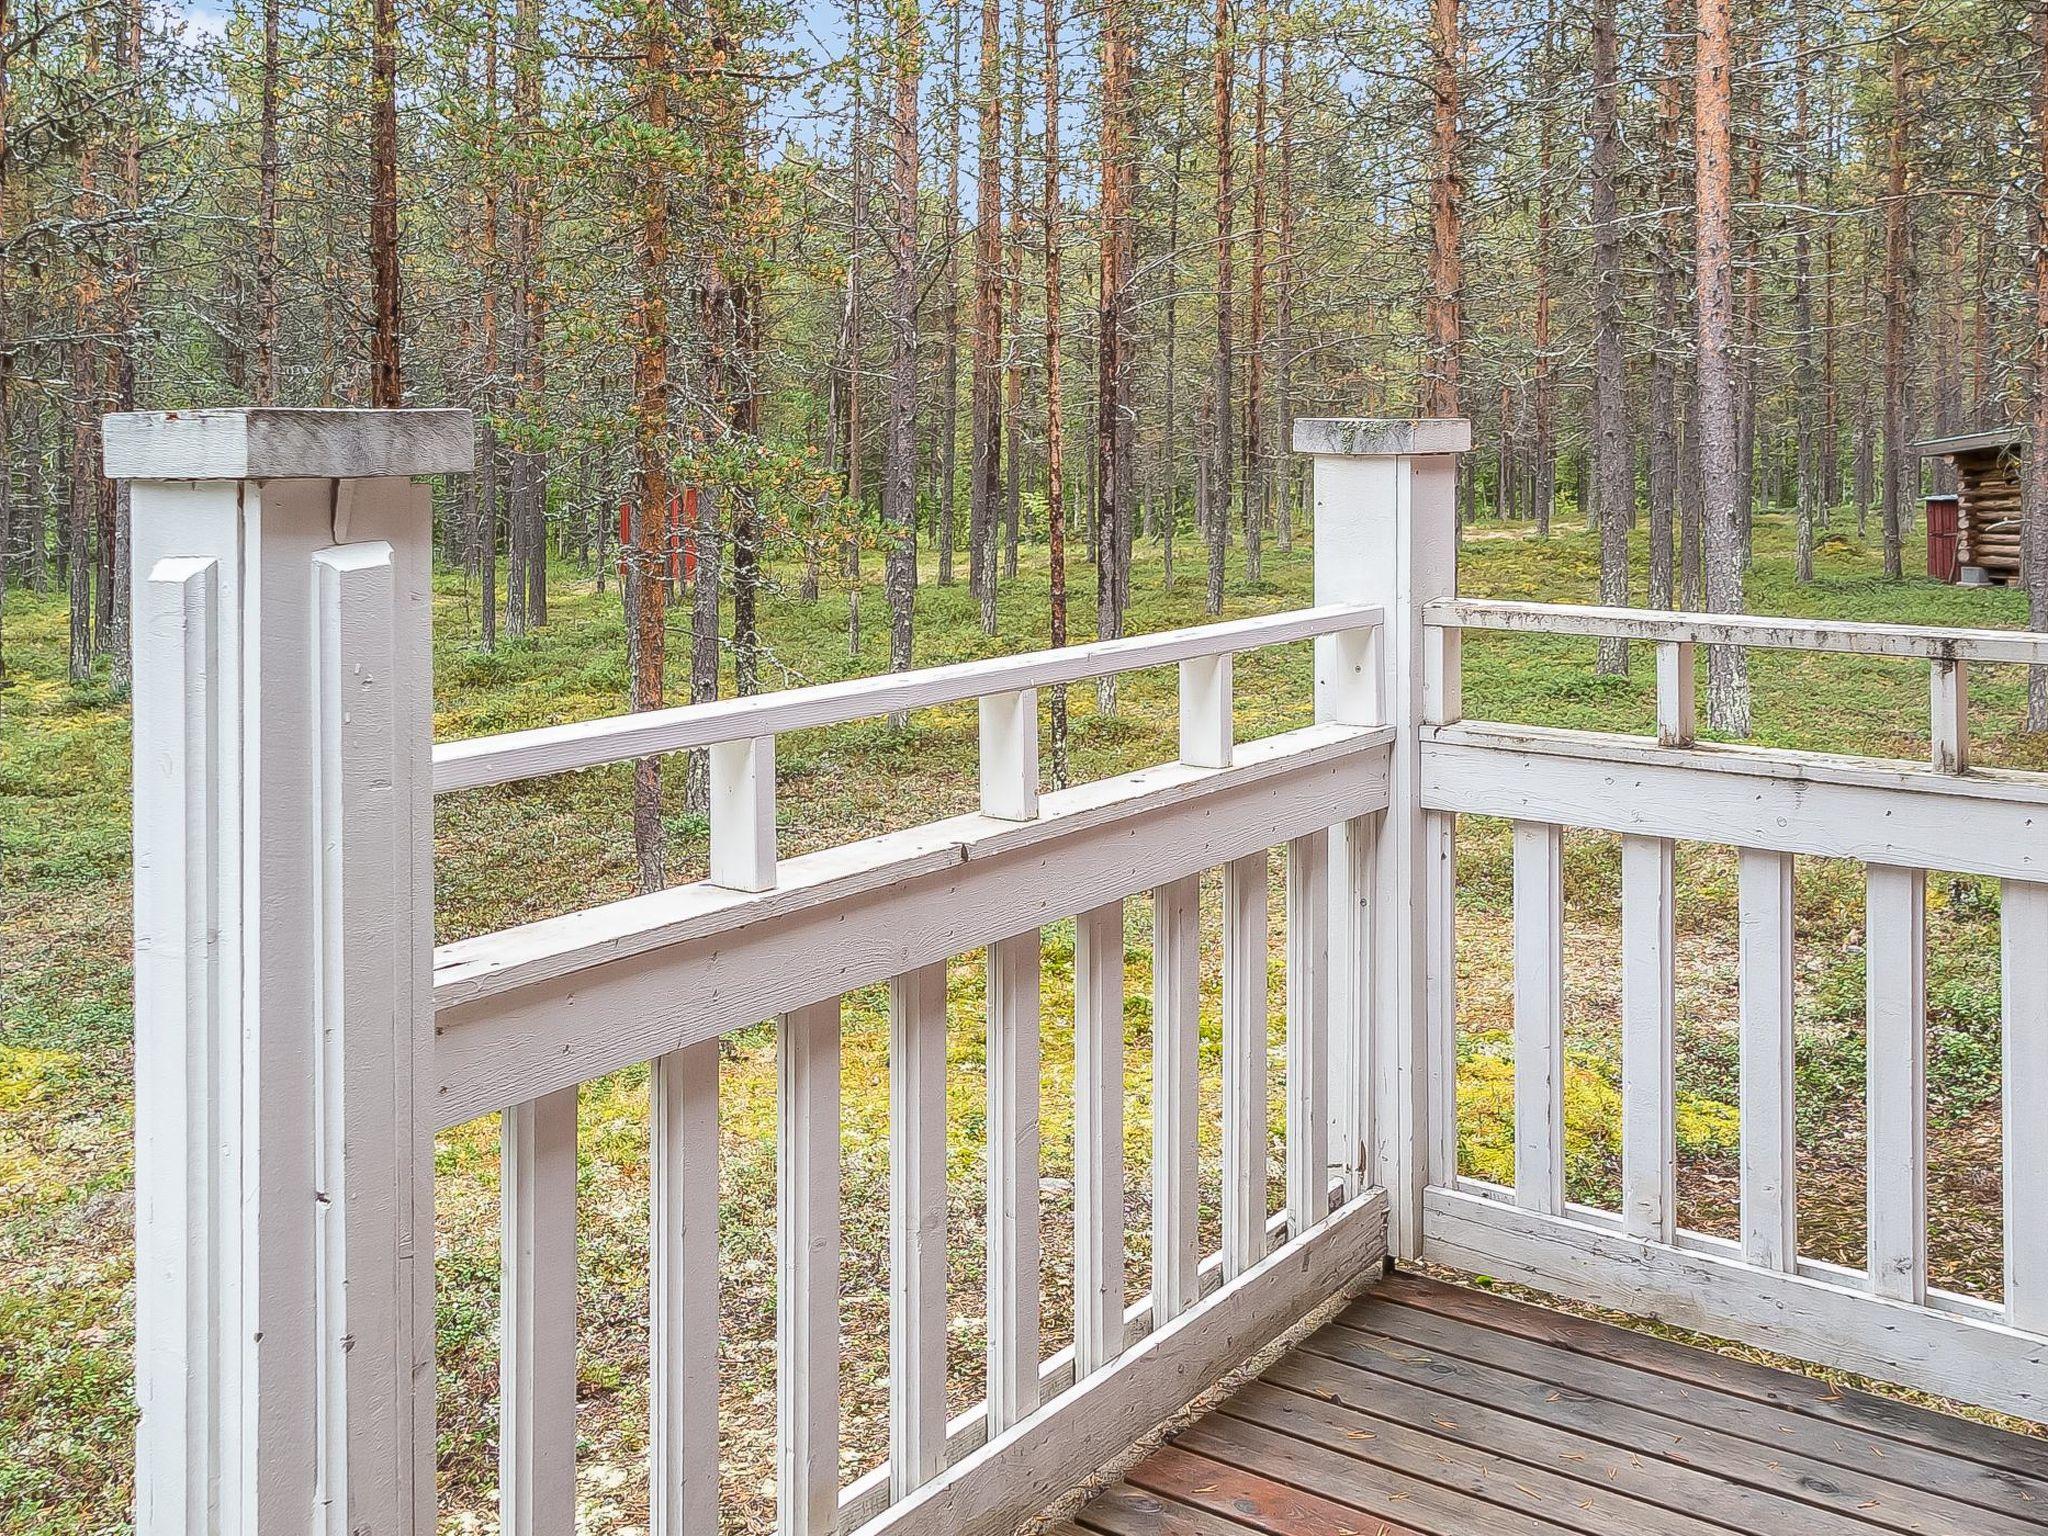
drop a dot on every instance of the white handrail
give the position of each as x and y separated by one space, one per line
1760 631
500 759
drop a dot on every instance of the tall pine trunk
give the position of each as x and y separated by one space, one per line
985 405
1223 67
899 471
1055 489
1613 473
1719 472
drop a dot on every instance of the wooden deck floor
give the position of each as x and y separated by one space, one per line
1433 1410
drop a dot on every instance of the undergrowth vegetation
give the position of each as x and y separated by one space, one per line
516 853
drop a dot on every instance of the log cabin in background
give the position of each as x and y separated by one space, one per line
1973 532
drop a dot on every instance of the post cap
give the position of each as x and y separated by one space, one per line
266 443
1367 437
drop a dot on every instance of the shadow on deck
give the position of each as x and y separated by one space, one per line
1431 1410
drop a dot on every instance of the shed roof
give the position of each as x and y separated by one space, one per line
1972 442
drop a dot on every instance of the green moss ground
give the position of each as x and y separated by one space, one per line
512 854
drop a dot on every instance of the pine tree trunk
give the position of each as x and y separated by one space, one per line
1115 493
2034 530
1223 68
1719 471
1804 381
899 472
1897 253
1614 478
387 388
1055 489
648 567
985 449
1664 357
1443 320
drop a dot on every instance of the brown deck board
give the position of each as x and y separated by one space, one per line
1181 1475
1922 1481
1434 1410
2016 1455
1420 1446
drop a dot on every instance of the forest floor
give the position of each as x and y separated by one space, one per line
512 854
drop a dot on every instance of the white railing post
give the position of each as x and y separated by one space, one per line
1385 528
283 930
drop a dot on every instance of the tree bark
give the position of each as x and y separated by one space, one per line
2034 528
1223 66
1805 384
1115 409
1614 473
1670 238
1055 489
1719 473
1545 445
387 388
1443 320
985 450
899 473
1897 316
648 567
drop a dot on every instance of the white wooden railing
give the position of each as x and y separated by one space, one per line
1899 819
300 1042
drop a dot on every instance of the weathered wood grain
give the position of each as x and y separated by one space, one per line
1846 1407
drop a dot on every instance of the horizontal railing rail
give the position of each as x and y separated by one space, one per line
513 755
1758 631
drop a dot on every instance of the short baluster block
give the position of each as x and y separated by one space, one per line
743 814
1207 726
1009 755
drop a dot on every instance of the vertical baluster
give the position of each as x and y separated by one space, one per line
683 1291
1013 1246
1437 849
917 1227
1247 947
1676 694
1770 1237
1098 1137
1009 755
1648 1151
1176 1091
1948 690
2023 1030
807 1271
1539 1016
537 1331
1352 850
1308 1031
743 813
1208 731
1895 1103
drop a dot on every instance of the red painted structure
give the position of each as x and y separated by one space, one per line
682 550
1942 516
